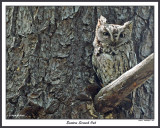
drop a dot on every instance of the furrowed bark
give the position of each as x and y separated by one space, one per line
48 60
111 95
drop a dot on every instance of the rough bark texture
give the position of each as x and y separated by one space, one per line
48 60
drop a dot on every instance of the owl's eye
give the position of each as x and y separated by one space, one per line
106 33
122 35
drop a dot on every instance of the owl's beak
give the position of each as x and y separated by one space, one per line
114 39
113 43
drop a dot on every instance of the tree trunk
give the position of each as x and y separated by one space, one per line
48 61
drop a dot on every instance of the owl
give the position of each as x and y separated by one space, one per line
113 50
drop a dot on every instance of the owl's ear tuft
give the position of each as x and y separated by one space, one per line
129 25
102 20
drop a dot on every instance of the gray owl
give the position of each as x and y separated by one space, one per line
113 50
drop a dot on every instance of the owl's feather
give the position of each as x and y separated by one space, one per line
113 50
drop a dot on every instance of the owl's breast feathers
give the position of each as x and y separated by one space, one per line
113 50
110 65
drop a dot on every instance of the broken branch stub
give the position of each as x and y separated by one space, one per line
111 95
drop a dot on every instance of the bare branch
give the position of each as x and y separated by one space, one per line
111 95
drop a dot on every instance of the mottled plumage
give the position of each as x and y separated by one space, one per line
113 50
